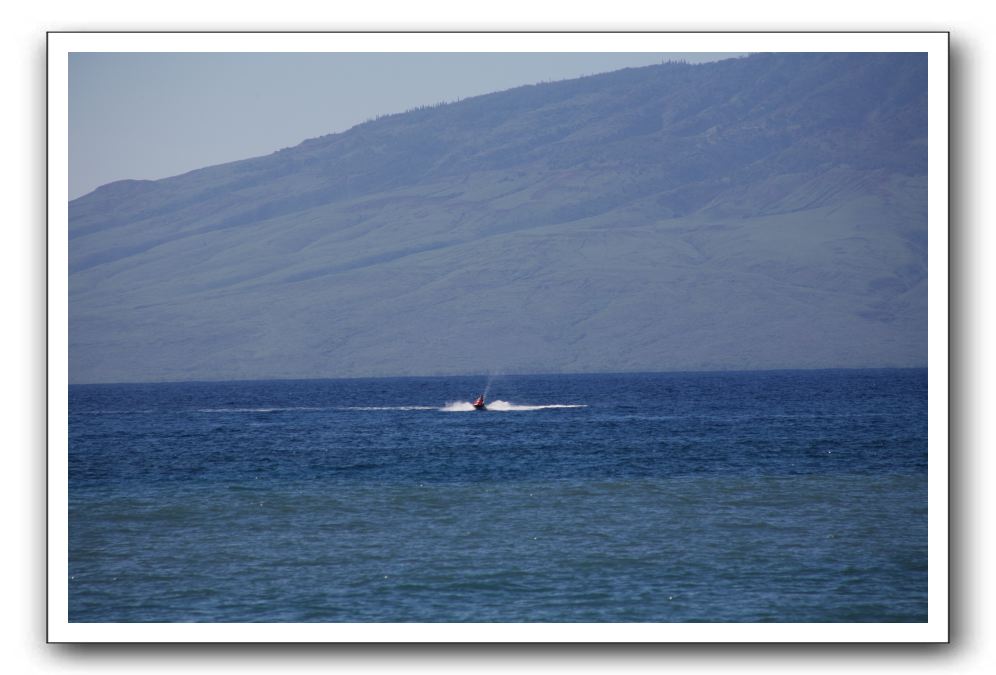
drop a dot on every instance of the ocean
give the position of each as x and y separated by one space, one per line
788 496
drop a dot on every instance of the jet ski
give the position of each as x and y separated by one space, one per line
479 403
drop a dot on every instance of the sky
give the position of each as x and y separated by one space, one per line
153 115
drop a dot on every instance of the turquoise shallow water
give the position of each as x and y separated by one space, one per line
791 496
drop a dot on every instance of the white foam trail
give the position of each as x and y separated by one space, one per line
453 406
391 407
253 410
458 406
505 406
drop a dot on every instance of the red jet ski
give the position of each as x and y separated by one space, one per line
479 403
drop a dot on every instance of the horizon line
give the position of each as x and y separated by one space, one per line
502 375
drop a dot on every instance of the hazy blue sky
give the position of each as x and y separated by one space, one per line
152 115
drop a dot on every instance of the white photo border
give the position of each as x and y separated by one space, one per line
60 45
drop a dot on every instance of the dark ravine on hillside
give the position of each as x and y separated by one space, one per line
759 212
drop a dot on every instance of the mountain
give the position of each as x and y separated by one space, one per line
768 211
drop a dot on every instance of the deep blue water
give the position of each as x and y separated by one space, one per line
772 496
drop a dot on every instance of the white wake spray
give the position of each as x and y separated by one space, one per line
505 406
458 406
